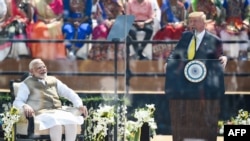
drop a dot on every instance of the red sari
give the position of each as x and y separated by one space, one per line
16 19
168 33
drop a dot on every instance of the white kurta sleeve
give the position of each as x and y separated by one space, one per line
22 96
68 93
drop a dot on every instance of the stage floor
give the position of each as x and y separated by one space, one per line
169 138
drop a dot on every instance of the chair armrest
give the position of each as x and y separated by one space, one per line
31 126
30 121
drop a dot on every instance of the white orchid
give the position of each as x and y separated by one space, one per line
243 118
9 118
100 119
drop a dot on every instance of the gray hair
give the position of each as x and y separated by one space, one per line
33 62
200 14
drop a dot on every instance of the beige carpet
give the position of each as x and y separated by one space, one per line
169 138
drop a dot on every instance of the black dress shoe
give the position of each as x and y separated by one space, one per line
143 58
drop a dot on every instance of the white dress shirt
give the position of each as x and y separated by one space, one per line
199 37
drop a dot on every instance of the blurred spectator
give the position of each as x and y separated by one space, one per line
211 9
206 6
96 13
48 26
211 27
159 2
17 17
233 28
4 45
157 19
172 12
144 16
77 23
110 10
172 21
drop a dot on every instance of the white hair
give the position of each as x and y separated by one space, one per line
33 62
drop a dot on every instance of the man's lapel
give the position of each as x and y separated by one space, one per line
202 47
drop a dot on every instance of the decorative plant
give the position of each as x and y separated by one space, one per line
101 121
243 118
98 122
9 118
142 116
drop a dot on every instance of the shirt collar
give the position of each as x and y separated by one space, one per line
200 35
40 80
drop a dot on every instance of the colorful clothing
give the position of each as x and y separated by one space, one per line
141 14
17 20
207 6
235 11
168 33
110 10
48 31
172 22
20 20
4 45
143 22
84 28
172 12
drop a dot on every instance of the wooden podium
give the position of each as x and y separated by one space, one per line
194 105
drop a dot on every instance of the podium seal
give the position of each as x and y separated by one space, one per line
195 71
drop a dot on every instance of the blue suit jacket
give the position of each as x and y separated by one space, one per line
176 84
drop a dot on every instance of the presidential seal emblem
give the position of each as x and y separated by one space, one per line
195 71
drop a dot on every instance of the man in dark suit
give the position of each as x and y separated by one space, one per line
195 82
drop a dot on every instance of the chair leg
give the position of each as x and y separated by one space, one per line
80 138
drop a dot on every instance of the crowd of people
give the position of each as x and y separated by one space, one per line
77 20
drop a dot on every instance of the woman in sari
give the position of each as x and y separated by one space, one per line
16 16
19 17
110 10
235 13
172 22
49 22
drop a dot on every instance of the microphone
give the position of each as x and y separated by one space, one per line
194 30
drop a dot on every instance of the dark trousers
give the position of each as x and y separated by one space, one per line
194 119
148 29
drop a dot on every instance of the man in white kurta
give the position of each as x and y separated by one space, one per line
39 95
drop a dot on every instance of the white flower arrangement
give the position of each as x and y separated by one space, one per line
9 118
98 122
102 119
243 118
143 115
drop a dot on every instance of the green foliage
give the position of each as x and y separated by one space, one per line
5 97
243 118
